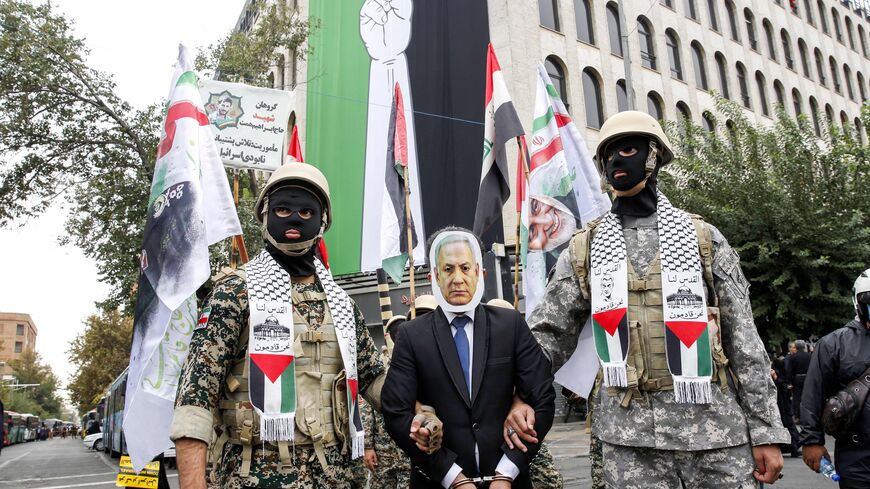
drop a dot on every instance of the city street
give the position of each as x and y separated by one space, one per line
65 463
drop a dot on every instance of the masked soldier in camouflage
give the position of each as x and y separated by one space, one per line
287 420
671 323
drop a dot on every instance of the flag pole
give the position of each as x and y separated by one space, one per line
523 160
386 306
237 242
410 238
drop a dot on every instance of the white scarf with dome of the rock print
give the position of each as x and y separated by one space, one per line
271 358
684 305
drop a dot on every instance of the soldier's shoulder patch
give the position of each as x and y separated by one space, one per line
202 322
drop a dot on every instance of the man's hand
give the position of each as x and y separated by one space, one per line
500 484
426 429
768 463
520 423
191 457
371 459
813 455
461 476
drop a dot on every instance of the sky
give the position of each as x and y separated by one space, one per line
136 43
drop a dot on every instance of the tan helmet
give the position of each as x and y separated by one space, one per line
301 172
628 123
498 302
426 302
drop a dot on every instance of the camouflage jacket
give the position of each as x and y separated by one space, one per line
656 420
390 457
215 346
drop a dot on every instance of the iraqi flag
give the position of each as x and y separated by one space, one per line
174 261
501 124
563 192
395 221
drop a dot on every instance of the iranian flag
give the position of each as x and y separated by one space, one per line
395 221
501 124
562 193
189 208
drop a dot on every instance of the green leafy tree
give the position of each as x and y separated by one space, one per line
793 204
95 355
41 399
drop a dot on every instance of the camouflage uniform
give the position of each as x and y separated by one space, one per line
597 463
654 419
213 349
394 467
543 470
359 473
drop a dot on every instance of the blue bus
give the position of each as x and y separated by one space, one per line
111 409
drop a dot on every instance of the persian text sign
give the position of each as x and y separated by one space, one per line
128 477
249 123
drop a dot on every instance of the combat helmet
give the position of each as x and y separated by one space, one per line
305 176
633 123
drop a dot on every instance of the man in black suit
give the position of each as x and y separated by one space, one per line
466 360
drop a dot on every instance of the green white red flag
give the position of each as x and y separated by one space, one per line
563 192
189 208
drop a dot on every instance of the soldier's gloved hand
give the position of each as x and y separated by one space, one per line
426 429
519 426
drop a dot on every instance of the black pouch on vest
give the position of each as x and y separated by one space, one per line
843 409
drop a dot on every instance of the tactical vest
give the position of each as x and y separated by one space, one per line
321 398
646 362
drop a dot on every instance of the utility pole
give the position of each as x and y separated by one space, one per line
626 56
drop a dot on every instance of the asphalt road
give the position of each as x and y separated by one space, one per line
66 464
59 464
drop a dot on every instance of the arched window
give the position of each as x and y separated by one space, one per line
829 113
699 65
654 106
722 70
847 78
809 11
820 67
862 38
796 99
762 93
583 19
835 16
557 75
592 99
768 35
744 86
684 111
859 130
786 49
691 9
279 72
668 3
850 33
621 96
835 77
712 9
750 29
844 121
780 93
549 11
709 122
732 20
673 43
861 87
822 19
805 57
814 112
613 30
647 44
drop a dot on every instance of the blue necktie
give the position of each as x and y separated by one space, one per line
461 340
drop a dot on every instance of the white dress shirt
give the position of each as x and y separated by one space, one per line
505 466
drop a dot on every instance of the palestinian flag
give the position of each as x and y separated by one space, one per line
564 185
610 330
501 124
395 221
272 380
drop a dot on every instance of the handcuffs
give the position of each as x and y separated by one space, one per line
480 480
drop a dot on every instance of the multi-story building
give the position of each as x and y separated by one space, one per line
17 335
809 56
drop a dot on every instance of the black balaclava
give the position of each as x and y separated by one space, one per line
301 202
635 191
863 307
